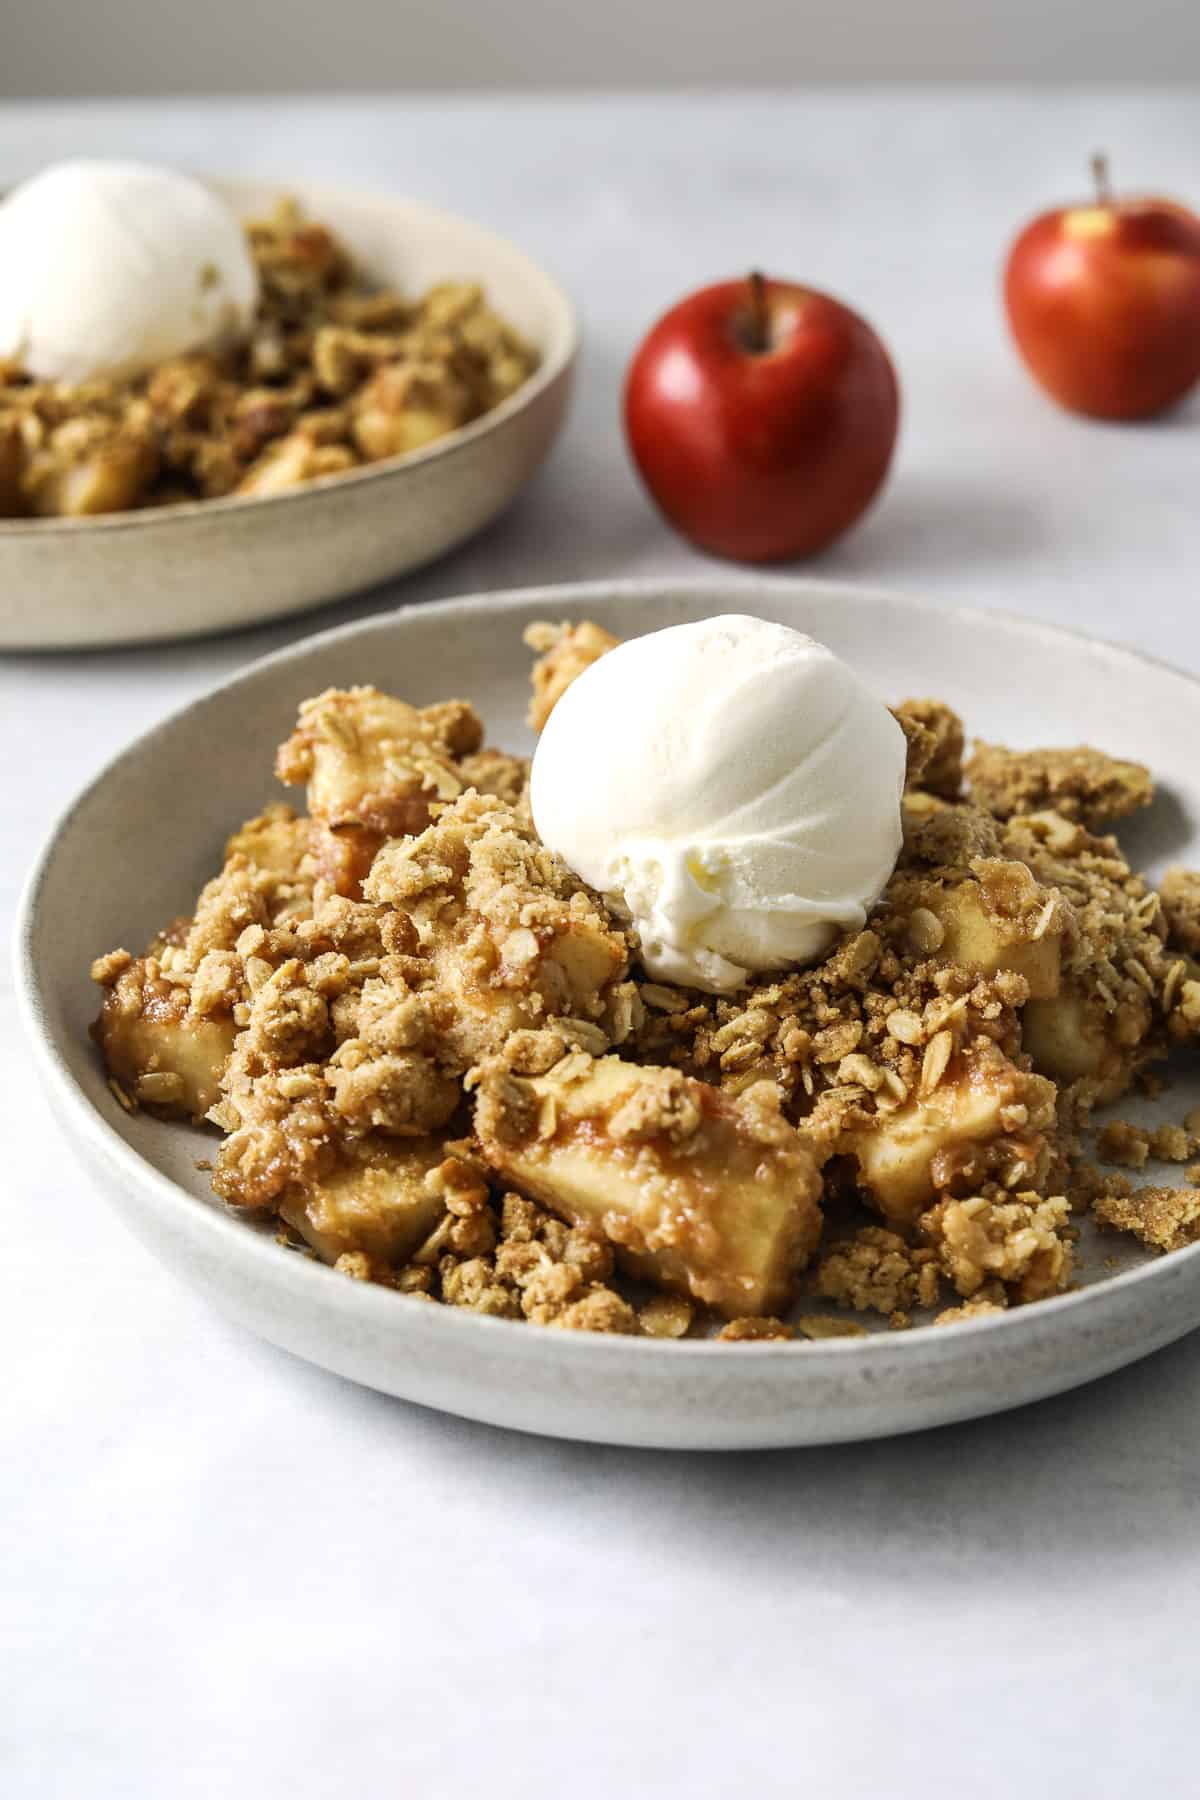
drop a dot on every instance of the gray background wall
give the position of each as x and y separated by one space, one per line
50 47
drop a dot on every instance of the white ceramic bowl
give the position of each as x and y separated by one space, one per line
135 846
176 571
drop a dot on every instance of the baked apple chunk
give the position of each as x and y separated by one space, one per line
715 1197
156 1049
1078 1037
984 1118
374 768
1121 982
369 759
383 1204
981 933
166 1026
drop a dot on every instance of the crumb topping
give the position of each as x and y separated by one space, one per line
936 745
1082 784
1162 1218
563 653
1179 891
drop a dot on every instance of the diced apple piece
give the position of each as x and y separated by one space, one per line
159 1055
111 477
288 462
343 854
386 1207
1066 1039
406 405
589 957
974 939
714 1197
896 1153
371 760
1076 1038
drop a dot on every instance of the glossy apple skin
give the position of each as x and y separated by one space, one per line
1104 302
762 455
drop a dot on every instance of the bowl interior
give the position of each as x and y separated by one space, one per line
136 846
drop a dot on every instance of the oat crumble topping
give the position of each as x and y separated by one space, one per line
1162 1218
1082 784
563 653
937 766
970 1309
1179 891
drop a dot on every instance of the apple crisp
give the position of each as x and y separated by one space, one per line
435 1059
335 375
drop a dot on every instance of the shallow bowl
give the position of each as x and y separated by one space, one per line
206 565
134 847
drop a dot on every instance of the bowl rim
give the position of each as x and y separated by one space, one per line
318 1283
560 357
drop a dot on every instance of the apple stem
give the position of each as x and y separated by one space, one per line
1100 176
758 335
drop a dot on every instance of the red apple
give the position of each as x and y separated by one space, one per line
762 416
1104 302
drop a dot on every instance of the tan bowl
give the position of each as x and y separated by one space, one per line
207 565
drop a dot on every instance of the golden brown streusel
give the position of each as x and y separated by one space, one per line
507 937
563 653
816 1327
1162 1218
939 769
1171 1143
1124 996
539 1269
1021 1242
1179 891
1126 1144
970 1309
1087 1182
495 772
878 1271
1082 784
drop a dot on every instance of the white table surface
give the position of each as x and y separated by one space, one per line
225 1573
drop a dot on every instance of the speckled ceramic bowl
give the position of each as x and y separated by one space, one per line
176 571
182 787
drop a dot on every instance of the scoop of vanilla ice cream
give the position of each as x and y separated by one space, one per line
107 268
733 786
